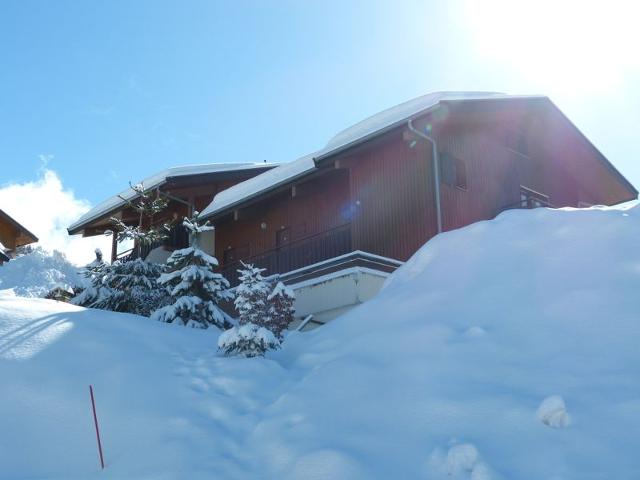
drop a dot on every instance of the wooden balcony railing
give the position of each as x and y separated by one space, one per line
297 254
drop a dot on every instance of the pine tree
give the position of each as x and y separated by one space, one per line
96 289
131 287
280 309
146 205
248 340
251 295
264 313
195 287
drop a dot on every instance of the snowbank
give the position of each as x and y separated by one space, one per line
38 272
442 376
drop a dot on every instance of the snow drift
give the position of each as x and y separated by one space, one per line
486 339
38 272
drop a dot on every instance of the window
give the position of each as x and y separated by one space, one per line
516 140
453 171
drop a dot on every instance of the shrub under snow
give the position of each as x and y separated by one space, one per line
37 272
248 340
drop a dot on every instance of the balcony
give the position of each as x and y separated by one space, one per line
529 199
297 254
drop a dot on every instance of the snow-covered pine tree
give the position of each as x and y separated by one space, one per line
248 340
255 334
95 289
194 285
251 295
147 205
280 308
132 287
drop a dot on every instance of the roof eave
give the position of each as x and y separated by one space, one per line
19 227
233 206
598 153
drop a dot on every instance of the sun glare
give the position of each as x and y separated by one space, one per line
562 45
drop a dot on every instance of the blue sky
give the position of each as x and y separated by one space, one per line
114 91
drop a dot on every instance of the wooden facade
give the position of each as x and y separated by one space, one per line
185 193
493 156
13 235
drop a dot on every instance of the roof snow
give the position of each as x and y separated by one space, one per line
368 127
158 180
260 183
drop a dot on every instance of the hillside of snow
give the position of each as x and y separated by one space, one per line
504 350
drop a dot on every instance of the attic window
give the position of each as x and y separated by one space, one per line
453 171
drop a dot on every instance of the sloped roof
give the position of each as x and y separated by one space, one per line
369 127
22 230
158 180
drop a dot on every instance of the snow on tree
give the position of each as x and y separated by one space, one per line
248 340
132 287
194 286
280 312
265 311
95 290
251 295
147 205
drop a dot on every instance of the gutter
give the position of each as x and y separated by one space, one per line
436 170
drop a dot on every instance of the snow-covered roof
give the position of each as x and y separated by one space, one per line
158 180
366 128
260 183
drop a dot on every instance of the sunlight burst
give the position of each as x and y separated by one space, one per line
562 45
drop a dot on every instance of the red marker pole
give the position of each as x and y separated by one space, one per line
95 421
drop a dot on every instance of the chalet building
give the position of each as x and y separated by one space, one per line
12 236
334 224
187 188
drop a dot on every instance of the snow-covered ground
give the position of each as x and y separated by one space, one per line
505 350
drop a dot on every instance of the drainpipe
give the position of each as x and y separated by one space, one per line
436 171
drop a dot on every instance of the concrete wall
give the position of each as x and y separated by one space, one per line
332 295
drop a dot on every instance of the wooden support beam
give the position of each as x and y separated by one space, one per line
114 247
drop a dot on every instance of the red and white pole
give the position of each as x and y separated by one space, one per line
95 421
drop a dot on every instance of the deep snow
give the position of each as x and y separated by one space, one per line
444 375
37 273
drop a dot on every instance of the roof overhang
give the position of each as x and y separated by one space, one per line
113 205
25 237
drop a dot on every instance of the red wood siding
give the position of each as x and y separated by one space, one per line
393 204
385 188
320 204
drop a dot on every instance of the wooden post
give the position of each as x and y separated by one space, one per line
114 247
95 421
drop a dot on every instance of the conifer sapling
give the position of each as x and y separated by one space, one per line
193 284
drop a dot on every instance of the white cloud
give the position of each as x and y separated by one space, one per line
46 208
